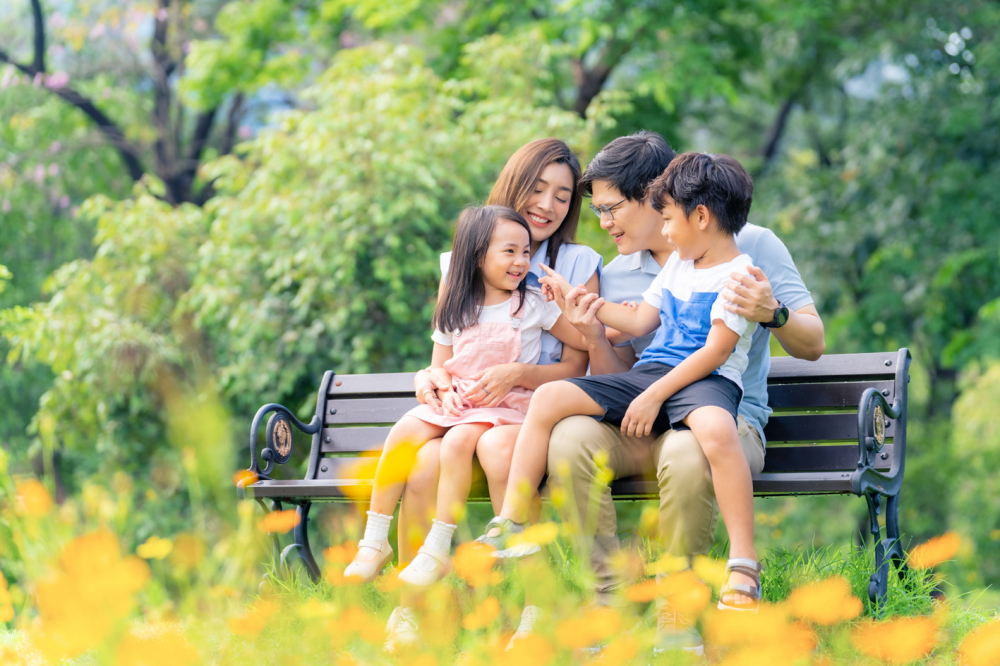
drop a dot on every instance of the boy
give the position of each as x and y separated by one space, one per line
689 376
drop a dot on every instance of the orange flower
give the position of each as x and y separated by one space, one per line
247 476
826 602
981 647
154 548
897 641
542 534
188 551
156 645
483 616
33 499
342 554
935 551
363 470
621 651
645 591
356 621
769 625
588 629
279 522
685 593
710 570
474 562
254 619
396 464
532 649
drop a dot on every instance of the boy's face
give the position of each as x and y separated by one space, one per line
684 231
633 225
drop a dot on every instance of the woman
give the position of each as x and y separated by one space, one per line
540 182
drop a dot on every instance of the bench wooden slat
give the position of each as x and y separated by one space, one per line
368 410
833 368
354 440
391 382
818 458
824 396
816 428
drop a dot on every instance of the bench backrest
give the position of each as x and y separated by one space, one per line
812 437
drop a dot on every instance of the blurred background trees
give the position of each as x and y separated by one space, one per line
226 198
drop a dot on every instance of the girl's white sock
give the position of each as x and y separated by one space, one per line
439 541
377 528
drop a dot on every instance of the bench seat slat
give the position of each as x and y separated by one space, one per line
390 382
833 368
369 410
818 458
354 440
816 428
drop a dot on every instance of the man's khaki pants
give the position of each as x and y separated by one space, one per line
585 454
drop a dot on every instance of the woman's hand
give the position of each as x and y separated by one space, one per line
427 385
641 414
493 384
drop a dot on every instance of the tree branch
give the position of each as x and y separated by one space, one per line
770 149
202 128
232 121
36 11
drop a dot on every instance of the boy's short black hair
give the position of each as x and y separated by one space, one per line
719 182
629 164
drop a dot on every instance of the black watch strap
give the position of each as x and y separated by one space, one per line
780 317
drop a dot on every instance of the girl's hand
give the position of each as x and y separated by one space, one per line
493 384
641 414
451 403
427 384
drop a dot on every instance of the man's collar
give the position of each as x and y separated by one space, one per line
643 260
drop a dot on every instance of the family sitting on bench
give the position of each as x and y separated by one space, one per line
678 366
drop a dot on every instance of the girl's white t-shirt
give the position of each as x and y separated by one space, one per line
539 316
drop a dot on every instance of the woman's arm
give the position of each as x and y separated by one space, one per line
641 414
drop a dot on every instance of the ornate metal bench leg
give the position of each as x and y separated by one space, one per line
879 582
894 544
301 545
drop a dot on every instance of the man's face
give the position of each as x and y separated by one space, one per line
633 225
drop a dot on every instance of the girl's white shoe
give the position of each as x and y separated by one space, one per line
427 568
371 558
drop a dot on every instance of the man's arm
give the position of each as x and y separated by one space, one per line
802 336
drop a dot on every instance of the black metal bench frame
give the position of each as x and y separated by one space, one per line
843 398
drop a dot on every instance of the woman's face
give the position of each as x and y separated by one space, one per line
548 204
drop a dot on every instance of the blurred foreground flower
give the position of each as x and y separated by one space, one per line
483 616
362 469
342 554
935 551
710 570
279 522
685 593
897 641
825 603
768 631
474 562
541 534
188 552
92 591
156 645
246 476
532 649
33 498
355 621
155 548
251 622
982 646
396 465
588 629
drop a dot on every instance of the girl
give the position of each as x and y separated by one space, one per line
540 182
486 316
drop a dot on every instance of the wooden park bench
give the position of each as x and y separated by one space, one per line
839 427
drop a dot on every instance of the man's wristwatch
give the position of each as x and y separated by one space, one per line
780 317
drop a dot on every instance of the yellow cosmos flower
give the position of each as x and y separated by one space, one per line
542 534
897 641
621 650
935 551
825 603
645 591
474 562
667 564
981 647
396 465
710 570
483 616
246 476
188 552
156 645
588 629
356 621
251 623
363 470
532 649
33 499
768 625
342 554
155 548
279 522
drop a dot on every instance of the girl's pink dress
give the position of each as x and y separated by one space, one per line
476 349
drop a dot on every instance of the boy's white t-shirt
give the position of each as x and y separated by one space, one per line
539 316
690 300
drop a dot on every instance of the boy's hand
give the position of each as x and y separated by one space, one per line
641 414
451 403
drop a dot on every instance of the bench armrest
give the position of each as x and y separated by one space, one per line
277 441
873 412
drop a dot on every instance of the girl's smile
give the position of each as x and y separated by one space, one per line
506 261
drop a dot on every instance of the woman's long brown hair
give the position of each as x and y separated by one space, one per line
516 183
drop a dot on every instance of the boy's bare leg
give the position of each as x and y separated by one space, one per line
715 430
408 430
457 449
550 404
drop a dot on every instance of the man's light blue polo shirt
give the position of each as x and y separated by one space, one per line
627 276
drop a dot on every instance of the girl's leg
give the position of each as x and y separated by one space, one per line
716 432
416 511
457 449
374 551
408 430
550 404
494 450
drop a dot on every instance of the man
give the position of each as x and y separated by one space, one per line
580 446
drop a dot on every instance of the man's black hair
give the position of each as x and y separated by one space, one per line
718 182
629 164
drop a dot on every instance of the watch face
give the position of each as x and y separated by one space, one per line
781 317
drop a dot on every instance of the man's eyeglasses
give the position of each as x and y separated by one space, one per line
603 209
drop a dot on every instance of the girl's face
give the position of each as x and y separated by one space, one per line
507 258
548 204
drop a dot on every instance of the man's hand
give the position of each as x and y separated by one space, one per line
493 384
749 297
641 414
427 385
